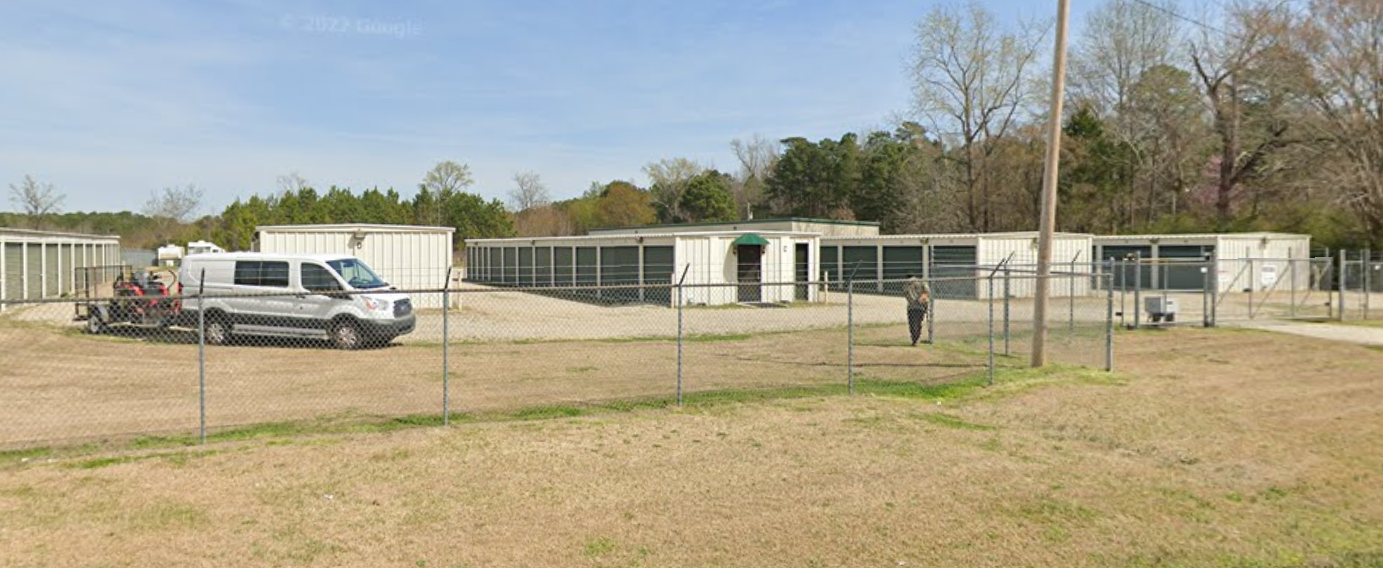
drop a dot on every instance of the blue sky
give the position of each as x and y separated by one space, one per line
110 101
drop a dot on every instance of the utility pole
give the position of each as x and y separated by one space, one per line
1049 178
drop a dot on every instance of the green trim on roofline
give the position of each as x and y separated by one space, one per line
743 221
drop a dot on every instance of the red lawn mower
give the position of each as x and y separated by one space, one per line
138 298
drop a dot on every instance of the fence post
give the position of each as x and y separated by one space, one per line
1340 284
931 310
850 336
1205 293
446 342
1122 265
1292 286
1137 289
1253 286
991 328
1366 280
1109 325
1214 290
679 343
201 359
1007 288
1071 315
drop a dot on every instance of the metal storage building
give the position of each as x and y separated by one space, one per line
961 256
754 260
824 227
49 264
408 257
1233 255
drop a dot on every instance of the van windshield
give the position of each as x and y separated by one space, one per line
356 274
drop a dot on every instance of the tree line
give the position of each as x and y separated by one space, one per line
1265 116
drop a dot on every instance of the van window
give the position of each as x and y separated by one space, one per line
256 273
318 279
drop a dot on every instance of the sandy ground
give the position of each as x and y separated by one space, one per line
1252 449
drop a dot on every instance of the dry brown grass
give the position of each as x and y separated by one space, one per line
1249 450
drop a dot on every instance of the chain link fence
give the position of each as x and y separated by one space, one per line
1344 287
148 362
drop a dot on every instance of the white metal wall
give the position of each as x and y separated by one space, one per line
408 260
1269 253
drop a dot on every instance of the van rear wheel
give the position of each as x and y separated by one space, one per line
346 335
216 331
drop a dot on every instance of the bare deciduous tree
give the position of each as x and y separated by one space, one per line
1243 85
669 179
173 206
1344 41
177 204
973 81
292 182
528 191
36 200
757 157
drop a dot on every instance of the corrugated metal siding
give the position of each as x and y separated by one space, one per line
407 260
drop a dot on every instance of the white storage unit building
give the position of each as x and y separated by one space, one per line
48 264
956 261
764 266
1241 260
408 257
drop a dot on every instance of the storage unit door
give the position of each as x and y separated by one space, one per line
14 271
953 272
619 266
658 269
1182 266
1123 278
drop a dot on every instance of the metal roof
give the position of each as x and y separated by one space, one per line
1204 236
365 227
12 231
1007 235
743 222
641 236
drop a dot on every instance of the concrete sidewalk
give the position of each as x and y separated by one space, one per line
1362 335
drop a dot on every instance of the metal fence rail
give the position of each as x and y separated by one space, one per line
199 364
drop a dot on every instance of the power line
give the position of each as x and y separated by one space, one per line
1183 18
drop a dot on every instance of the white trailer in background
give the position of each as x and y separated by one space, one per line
409 257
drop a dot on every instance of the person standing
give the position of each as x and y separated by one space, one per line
919 296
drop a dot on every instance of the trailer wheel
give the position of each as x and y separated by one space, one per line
94 324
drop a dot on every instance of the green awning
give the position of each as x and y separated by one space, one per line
751 239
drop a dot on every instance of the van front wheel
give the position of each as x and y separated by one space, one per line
346 335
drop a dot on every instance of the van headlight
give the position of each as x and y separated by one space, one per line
375 304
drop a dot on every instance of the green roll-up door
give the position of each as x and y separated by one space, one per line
901 261
658 269
1124 274
35 268
619 266
585 266
1187 274
496 256
860 263
830 256
525 274
511 265
542 266
51 286
953 272
562 266
14 271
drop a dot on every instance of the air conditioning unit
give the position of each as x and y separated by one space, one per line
1160 309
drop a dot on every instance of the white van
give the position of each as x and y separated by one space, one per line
307 296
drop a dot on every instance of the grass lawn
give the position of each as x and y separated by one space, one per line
1209 448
